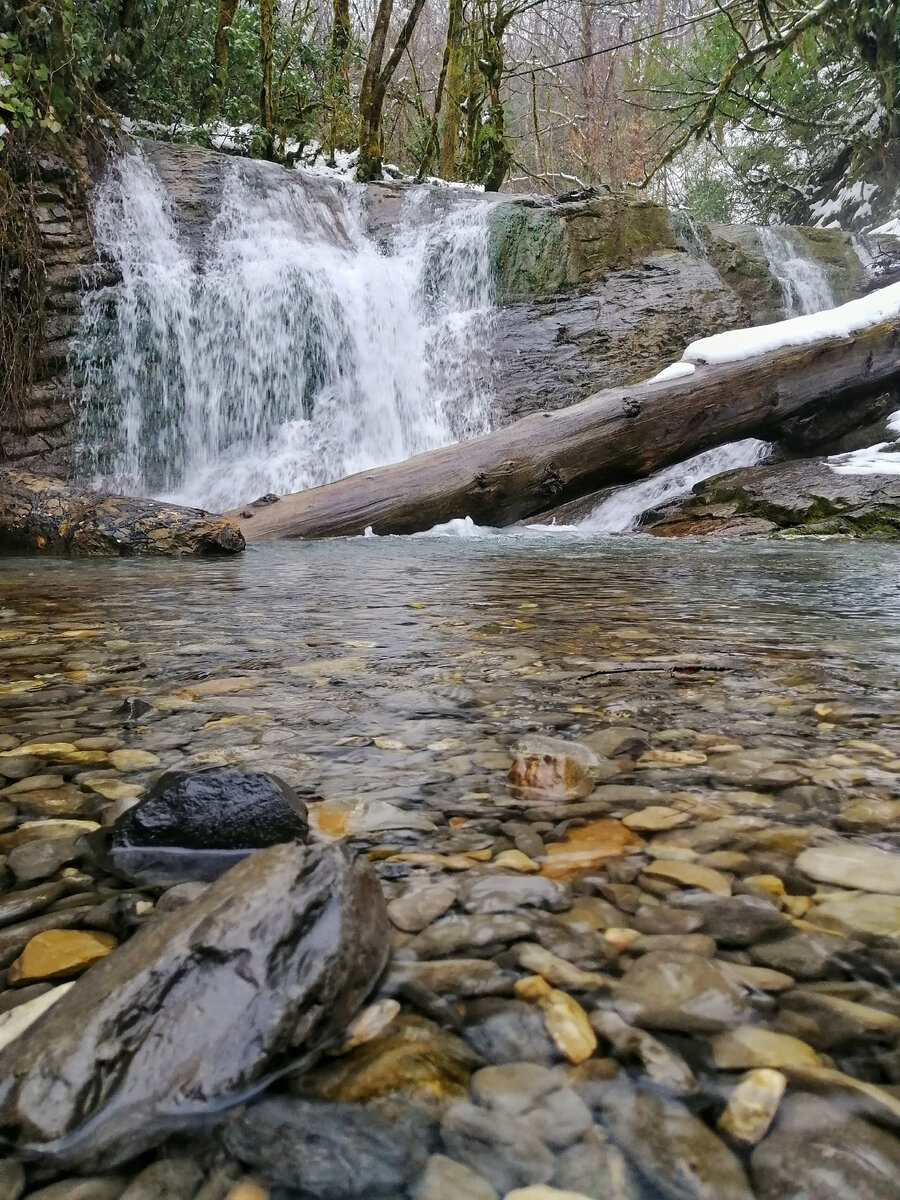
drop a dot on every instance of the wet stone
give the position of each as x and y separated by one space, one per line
596 1168
752 1106
853 865
40 859
446 1179
554 1112
681 992
666 920
95 1187
492 893
420 905
196 825
504 1031
804 955
737 920
454 934
501 1148
167 1179
12 1179
330 1150
59 954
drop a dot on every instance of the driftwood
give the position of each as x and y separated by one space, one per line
612 438
47 516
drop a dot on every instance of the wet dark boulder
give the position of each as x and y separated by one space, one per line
195 825
331 1151
197 1011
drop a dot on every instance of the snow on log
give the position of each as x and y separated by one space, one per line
614 437
46 516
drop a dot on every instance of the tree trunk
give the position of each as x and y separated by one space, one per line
44 516
338 91
613 438
452 110
213 102
375 84
266 55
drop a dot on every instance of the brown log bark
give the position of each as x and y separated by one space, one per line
45 516
613 438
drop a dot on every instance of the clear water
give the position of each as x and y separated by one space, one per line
290 348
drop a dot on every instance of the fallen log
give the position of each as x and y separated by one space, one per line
47 516
612 438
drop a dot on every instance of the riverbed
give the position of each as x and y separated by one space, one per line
732 706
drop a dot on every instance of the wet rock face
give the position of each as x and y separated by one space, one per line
267 967
803 496
195 825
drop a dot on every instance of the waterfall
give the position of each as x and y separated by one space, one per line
804 284
284 347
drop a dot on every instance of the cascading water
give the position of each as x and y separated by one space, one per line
804 283
289 348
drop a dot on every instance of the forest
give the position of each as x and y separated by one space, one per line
734 109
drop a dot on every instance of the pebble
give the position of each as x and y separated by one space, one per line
754 1046
12 1179
690 875
542 1191
621 739
458 976
453 934
503 1031
94 1187
418 907
18 905
500 1148
860 912
596 1168
549 777
515 860
737 920
58 954
16 1020
369 1024
654 818
566 1021
41 859
666 1068
681 992
853 865
555 1113
446 1179
494 893
672 758
589 846
804 956
33 783
166 1179
752 1106
556 971
678 943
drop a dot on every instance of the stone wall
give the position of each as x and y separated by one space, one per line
42 433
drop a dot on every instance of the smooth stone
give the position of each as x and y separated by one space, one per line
865 1099
14 938
196 825
596 1168
166 1179
666 1068
666 920
537 744
804 955
870 814
457 976
414 1057
17 905
516 860
179 895
852 865
67 801
446 1179
681 992
272 961
762 978
589 846
59 954
818 1151
737 920
97 1187
16 1020
500 1148
860 912
549 777
368 1024
566 1021
555 1113
326 1150
503 1031
453 934
621 739
541 1191
41 859
133 760
752 1106
16 997
33 783
655 818
677 943
841 1020
417 908
682 1157
377 816
753 1046
12 1179
493 893
557 971
690 875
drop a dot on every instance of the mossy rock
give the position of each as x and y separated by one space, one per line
541 250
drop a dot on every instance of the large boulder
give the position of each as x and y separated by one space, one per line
195 825
198 1009
46 516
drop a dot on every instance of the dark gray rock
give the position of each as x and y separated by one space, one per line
190 1014
818 1151
196 825
504 1031
736 920
650 920
330 1151
681 1157
804 955
503 1149
453 935
18 905
166 1179
42 858
554 1112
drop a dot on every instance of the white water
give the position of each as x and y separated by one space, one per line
288 348
804 284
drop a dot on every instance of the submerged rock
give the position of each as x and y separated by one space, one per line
190 1015
196 825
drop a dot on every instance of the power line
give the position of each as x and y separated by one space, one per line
647 37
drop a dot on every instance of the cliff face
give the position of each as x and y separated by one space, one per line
593 291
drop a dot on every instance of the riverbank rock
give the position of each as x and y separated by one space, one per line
45 516
681 992
268 965
196 825
802 496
